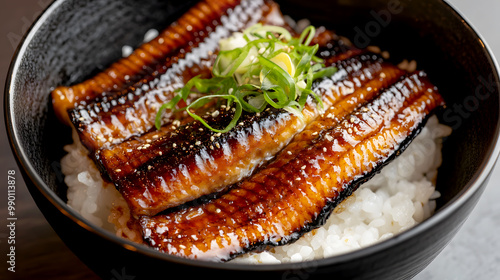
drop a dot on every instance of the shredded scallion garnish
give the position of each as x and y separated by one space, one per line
264 65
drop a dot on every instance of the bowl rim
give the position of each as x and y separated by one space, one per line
21 157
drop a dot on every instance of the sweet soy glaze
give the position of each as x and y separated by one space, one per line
195 161
279 204
115 116
196 193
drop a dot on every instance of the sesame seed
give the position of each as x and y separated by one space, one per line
160 153
212 138
215 113
230 90
197 143
328 137
200 129
349 130
289 152
182 246
352 119
298 179
324 149
314 133
217 210
174 145
118 170
217 145
303 167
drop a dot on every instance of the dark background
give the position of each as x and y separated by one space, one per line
473 254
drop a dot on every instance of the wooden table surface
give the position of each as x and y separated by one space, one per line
40 254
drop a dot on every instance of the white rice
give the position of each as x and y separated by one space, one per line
96 200
396 199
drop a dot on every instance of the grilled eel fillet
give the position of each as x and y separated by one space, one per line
193 27
156 170
117 115
280 203
192 161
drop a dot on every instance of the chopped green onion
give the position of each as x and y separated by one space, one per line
230 98
272 68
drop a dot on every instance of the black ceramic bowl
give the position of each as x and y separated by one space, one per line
74 39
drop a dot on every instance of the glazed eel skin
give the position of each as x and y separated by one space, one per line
192 161
117 126
280 203
112 117
274 176
154 57
182 161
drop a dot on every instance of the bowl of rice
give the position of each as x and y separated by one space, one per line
392 227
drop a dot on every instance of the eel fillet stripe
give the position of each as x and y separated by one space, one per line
207 163
142 60
113 117
277 205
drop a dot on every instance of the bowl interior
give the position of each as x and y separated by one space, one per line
62 49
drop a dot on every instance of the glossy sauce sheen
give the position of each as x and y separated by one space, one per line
115 116
155 170
192 161
274 176
192 27
280 203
